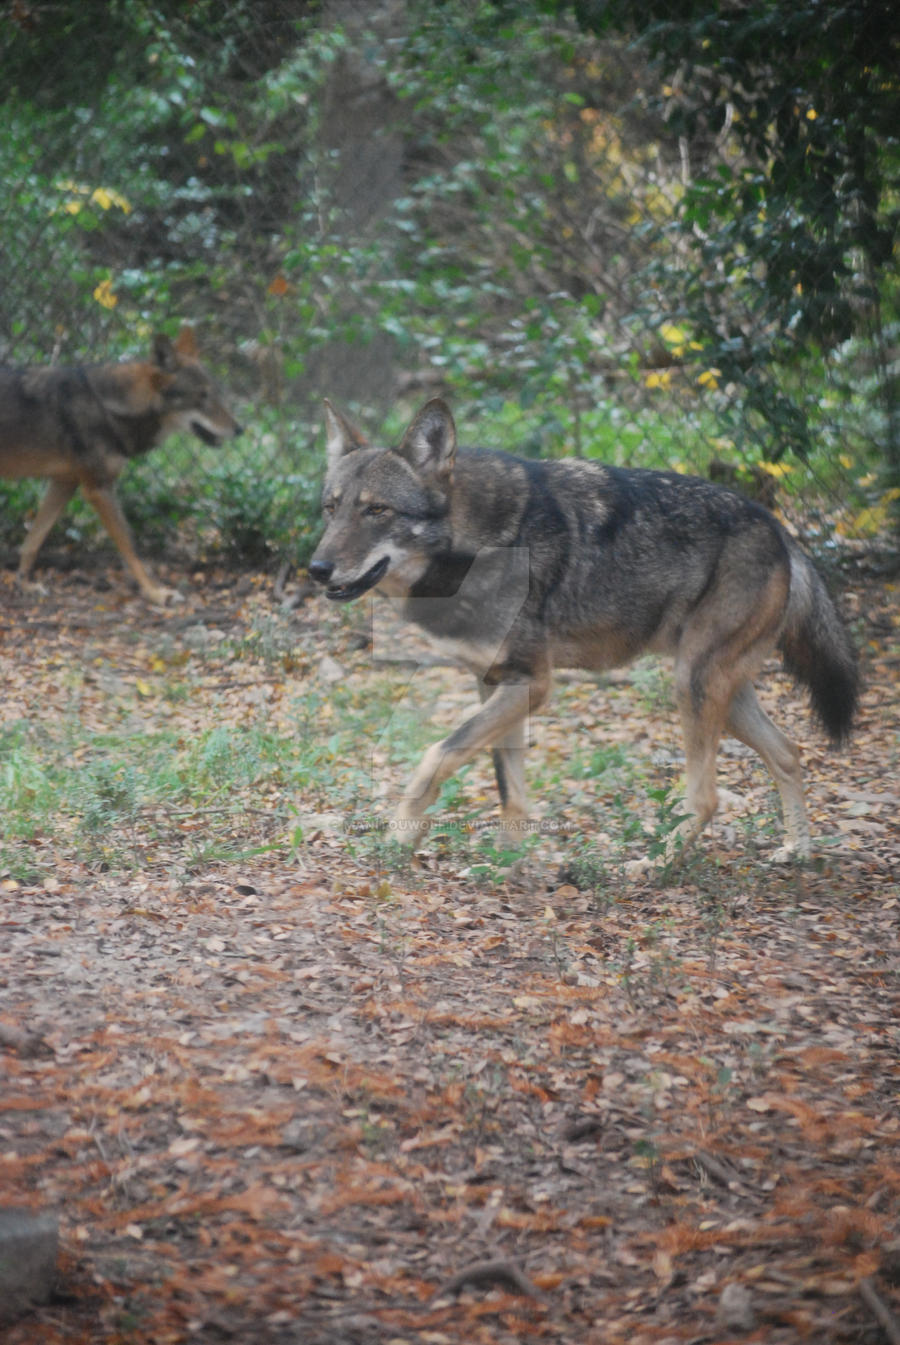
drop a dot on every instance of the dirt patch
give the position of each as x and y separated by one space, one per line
314 1095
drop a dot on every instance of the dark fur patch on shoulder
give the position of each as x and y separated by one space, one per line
444 577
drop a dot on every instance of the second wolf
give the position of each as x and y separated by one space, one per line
515 566
79 426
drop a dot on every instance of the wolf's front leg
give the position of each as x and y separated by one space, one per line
107 506
509 766
500 721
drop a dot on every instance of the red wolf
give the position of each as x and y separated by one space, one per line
516 567
79 427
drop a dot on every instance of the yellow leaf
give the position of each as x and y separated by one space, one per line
143 688
104 294
106 198
658 379
870 520
775 469
672 335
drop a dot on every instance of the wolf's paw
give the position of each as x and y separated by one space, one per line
408 830
730 802
790 854
635 869
514 828
158 595
32 587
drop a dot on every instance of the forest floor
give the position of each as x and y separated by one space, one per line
281 1084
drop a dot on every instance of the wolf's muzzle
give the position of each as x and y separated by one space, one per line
322 570
211 437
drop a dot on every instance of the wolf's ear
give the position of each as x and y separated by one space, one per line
164 356
341 436
429 445
186 343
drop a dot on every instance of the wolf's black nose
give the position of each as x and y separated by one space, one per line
321 570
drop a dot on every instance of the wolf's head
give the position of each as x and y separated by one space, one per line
187 396
386 510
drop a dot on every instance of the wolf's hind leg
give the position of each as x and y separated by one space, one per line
56 497
722 647
748 721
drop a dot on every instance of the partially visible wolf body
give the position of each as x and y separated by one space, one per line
516 566
79 426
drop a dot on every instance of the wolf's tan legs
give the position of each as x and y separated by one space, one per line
56 497
499 723
702 733
713 689
112 518
748 721
509 767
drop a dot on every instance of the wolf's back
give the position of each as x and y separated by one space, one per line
818 651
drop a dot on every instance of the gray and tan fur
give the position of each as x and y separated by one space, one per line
517 566
79 427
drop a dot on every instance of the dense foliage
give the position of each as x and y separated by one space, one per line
802 209
653 232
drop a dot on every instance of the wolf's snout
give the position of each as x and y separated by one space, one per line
321 570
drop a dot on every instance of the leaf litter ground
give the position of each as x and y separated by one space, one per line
282 1086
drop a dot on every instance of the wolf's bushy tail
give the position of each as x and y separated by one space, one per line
818 651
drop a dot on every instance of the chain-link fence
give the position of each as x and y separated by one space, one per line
381 203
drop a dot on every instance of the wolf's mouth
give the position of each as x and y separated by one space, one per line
346 592
207 435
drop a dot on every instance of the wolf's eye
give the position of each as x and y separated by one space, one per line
329 507
376 510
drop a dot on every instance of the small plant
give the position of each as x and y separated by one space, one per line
586 870
646 1155
665 842
494 855
243 503
652 681
627 822
111 796
27 791
385 854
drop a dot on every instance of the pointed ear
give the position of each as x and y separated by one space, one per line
429 445
341 436
186 343
164 356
